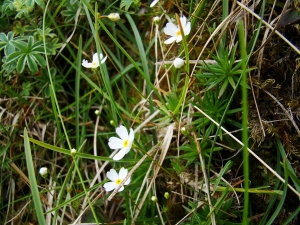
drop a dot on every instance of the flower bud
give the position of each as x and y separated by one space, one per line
178 63
69 190
156 19
183 130
166 195
154 198
97 112
114 17
73 152
43 172
112 122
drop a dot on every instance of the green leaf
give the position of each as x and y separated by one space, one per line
38 47
39 59
31 63
5 42
14 56
23 46
7 7
30 3
21 63
30 43
126 4
3 39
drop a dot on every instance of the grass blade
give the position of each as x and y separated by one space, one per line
33 184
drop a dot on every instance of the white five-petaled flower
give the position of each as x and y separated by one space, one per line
174 31
178 63
153 3
116 179
43 171
96 61
123 143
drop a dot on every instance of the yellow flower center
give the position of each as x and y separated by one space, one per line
118 181
178 33
94 63
125 143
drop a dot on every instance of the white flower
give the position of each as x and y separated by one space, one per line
174 31
43 171
116 179
124 142
178 63
114 17
95 62
153 3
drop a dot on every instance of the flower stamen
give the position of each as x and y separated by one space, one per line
178 33
118 181
125 143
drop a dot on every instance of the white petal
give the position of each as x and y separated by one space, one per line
86 64
131 135
95 57
170 29
109 186
103 60
122 132
170 40
120 154
115 143
187 29
153 3
123 173
179 38
128 147
112 175
121 189
127 181
183 21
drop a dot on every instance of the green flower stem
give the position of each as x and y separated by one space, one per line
187 68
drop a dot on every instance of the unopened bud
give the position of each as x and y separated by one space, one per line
73 152
43 172
156 19
166 195
183 130
114 17
97 112
154 198
178 63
